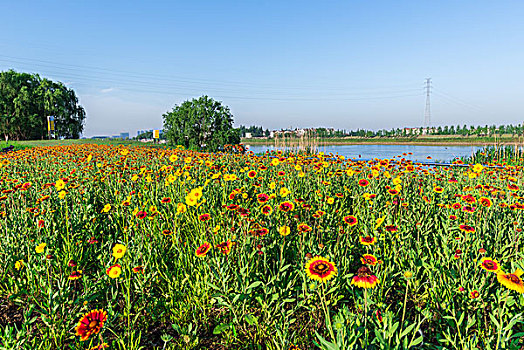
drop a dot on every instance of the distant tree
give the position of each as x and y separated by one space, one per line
201 123
26 100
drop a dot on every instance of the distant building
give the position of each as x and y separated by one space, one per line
248 135
100 137
124 135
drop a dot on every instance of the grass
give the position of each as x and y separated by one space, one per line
187 250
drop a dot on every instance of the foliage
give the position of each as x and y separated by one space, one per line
27 99
255 131
201 123
207 265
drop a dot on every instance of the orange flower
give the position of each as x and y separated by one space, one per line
512 281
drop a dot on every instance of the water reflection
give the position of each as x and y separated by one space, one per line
415 153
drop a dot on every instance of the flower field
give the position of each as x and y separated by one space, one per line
141 248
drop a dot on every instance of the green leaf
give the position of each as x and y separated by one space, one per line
221 328
251 320
407 330
254 285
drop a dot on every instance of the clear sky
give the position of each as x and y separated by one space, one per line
344 64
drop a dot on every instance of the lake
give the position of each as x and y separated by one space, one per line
415 153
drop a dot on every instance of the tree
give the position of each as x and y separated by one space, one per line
26 100
201 123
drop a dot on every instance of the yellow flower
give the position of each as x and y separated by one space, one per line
19 264
114 271
135 211
272 185
59 185
275 162
216 229
196 192
124 152
472 175
191 200
181 208
379 222
284 192
284 230
187 160
62 194
119 250
478 168
397 181
89 158
107 208
40 248
173 158
330 200
153 209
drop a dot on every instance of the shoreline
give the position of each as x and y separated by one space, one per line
383 142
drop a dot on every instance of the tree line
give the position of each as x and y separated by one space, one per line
26 100
458 130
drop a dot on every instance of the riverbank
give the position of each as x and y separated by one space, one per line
414 141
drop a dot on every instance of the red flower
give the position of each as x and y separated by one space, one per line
364 278
262 198
90 323
75 275
286 206
202 250
141 214
225 247
303 228
41 223
266 210
138 269
363 182
204 217
166 200
391 228
350 220
467 228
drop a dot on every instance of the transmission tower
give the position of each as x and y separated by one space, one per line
427 113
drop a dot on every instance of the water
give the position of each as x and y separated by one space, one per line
365 152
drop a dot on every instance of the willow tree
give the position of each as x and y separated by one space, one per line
26 100
201 123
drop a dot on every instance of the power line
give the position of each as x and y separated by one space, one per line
125 75
427 112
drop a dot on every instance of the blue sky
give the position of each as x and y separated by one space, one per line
344 64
